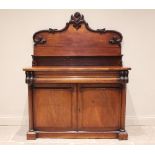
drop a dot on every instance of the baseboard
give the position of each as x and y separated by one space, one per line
8 120
142 120
130 120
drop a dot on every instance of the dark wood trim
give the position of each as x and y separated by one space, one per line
124 76
29 77
77 60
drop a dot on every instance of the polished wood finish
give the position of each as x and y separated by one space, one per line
67 43
51 105
77 84
76 68
31 135
96 107
79 134
30 101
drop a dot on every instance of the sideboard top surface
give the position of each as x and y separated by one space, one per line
76 68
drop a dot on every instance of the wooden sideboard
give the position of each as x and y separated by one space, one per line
77 83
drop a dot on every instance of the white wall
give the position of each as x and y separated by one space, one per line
138 47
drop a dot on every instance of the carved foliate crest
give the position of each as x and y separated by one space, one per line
77 19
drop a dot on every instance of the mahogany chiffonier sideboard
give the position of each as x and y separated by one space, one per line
77 83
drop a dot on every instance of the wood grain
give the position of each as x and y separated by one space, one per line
67 43
96 105
50 107
76 68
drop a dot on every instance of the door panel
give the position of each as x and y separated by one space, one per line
99 108
54 108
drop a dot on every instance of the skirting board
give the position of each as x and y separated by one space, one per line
130 120
143 120
5 120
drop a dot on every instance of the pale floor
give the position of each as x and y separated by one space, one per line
137 135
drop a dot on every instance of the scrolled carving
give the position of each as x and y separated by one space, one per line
39 40
124 75
101 30
77 20
115 40
29 77
52 30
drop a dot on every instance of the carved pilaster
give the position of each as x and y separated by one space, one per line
124 76
29 77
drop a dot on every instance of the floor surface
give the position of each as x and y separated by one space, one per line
137 135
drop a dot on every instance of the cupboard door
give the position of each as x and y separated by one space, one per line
54 107
99 108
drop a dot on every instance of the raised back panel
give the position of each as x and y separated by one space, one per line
74 41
